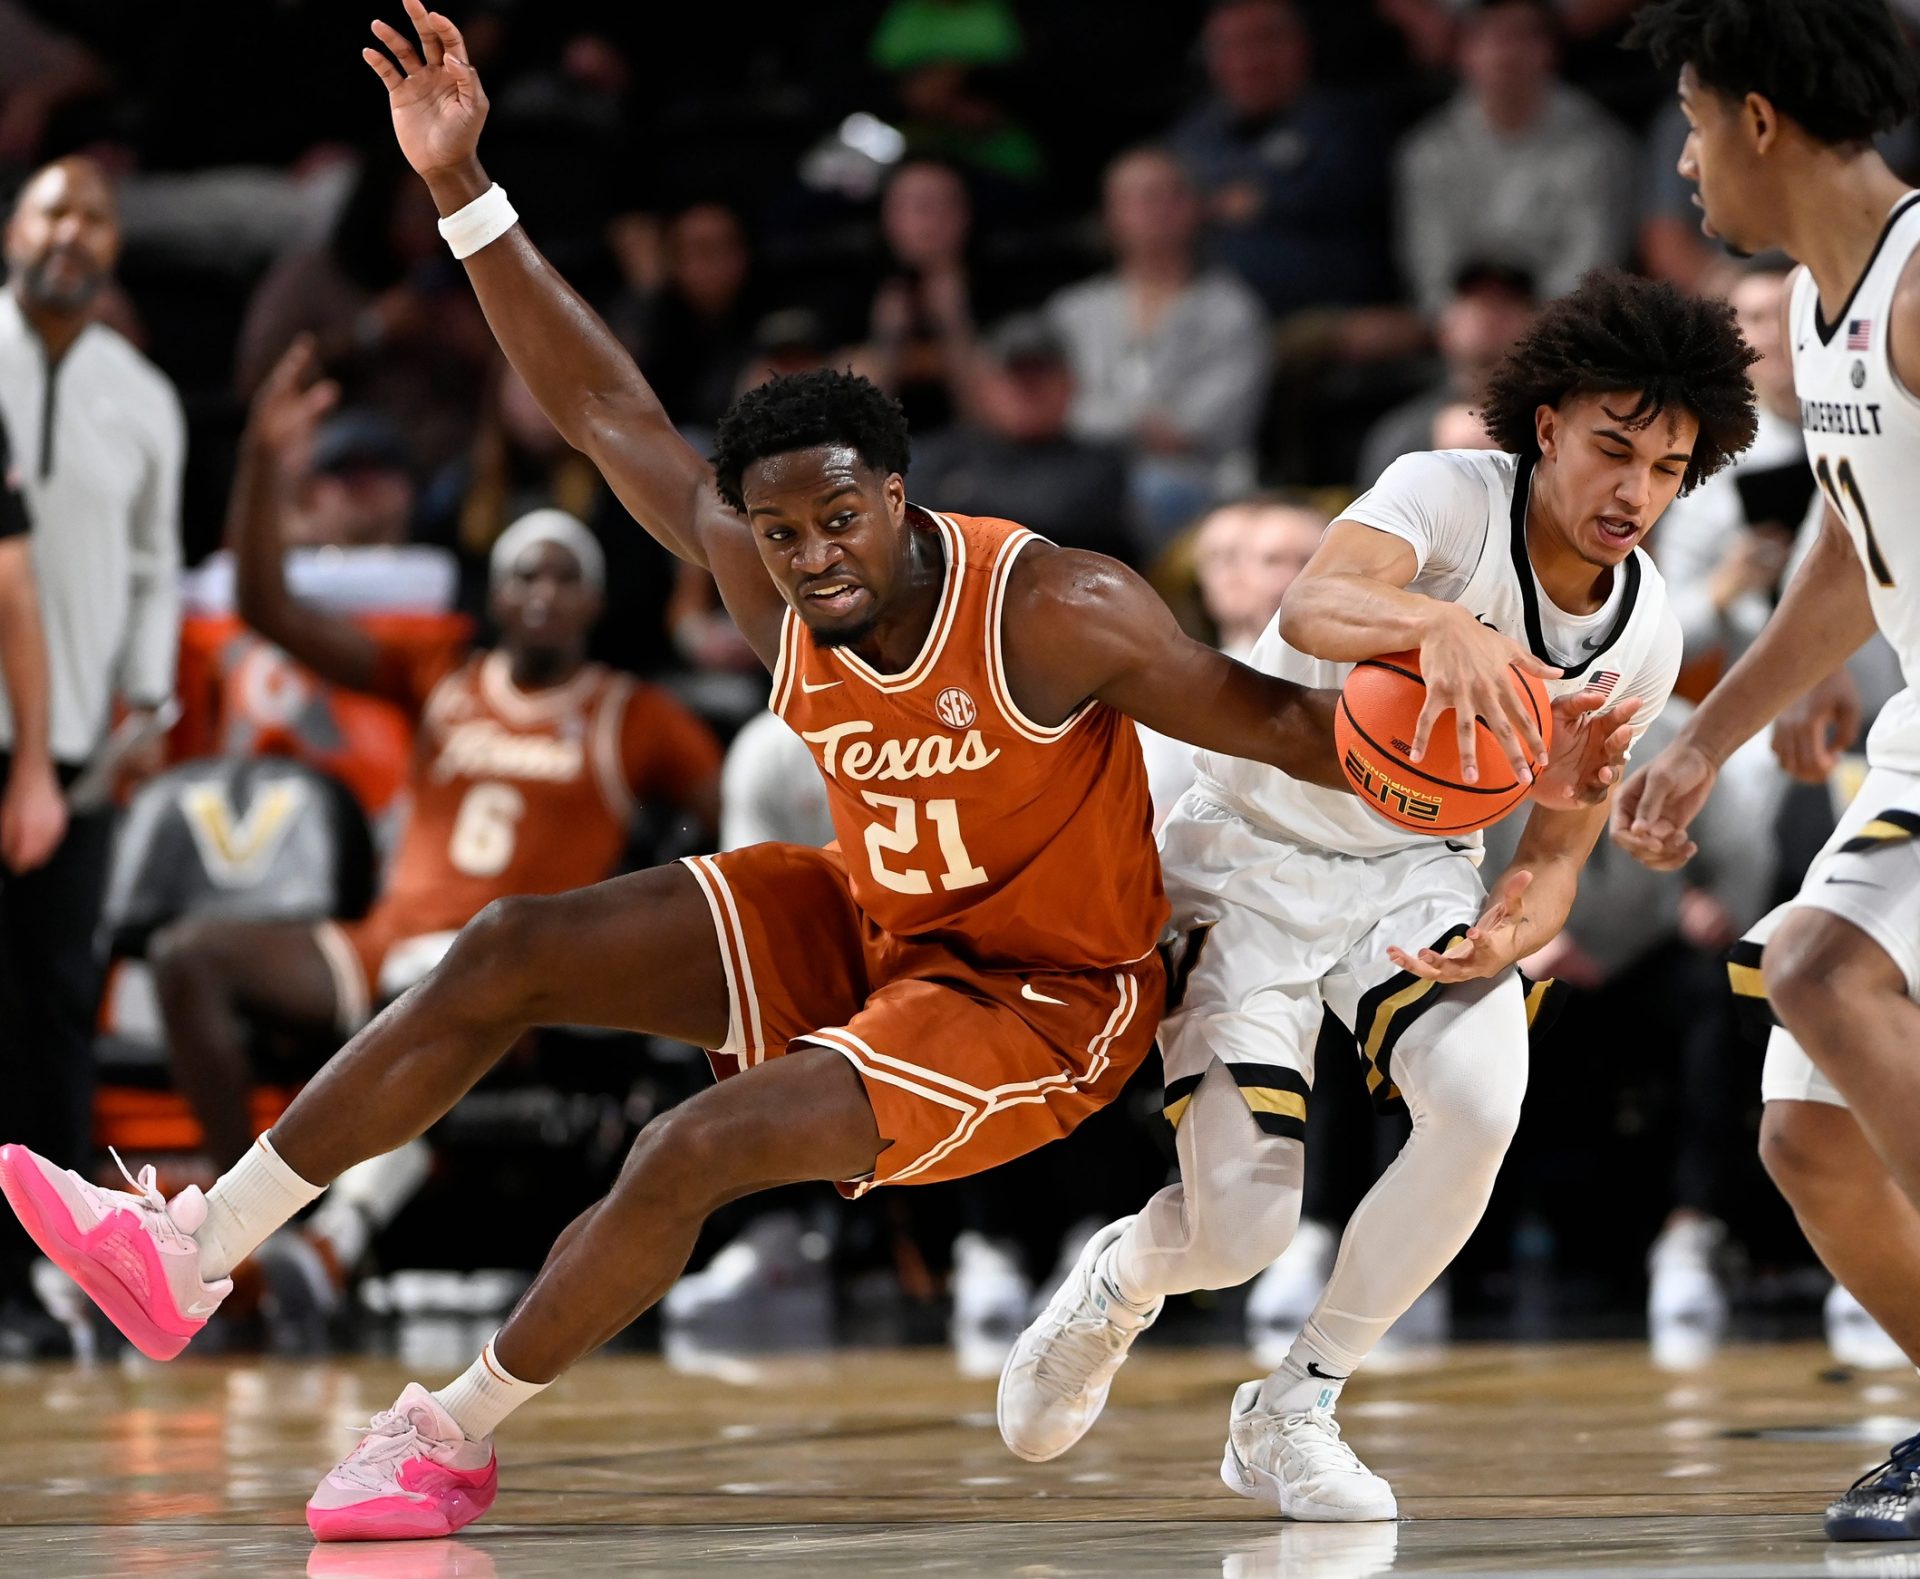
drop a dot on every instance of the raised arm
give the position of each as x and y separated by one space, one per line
575 368
1080 626
279 434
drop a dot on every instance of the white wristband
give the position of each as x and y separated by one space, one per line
487 218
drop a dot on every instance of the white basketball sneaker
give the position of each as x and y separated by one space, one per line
1686 1302
1056 1379
1299 1464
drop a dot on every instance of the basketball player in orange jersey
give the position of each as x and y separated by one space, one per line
966 977
528 764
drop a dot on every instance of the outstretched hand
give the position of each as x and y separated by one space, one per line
1492 943
1655 808
288 406
437 102
1590 745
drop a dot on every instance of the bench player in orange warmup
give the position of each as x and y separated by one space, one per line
968 975
528 763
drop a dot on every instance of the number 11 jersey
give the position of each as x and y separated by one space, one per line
1016 844
1863 442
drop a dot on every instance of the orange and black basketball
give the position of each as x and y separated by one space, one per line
1373 728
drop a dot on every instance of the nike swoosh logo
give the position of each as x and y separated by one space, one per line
1458 849
1595 644
198 1309
810 689
1855 882
1027 992
1325 1376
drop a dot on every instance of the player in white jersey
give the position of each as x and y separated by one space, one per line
1289 899
1783 98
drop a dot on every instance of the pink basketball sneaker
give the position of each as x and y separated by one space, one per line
131 1251
414 1475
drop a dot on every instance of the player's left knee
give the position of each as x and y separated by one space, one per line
1820 967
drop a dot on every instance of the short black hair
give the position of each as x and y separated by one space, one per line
1840 68
804 411
1618 334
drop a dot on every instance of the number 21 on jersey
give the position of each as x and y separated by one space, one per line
903 838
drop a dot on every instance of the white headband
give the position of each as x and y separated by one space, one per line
548 526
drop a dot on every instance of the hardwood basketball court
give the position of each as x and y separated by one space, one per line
1510 1460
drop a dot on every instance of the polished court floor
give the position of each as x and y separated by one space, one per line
1569 1459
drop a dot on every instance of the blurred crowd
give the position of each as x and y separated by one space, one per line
1175 290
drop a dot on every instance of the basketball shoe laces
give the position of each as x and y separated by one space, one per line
389 1436
1313 1438
1897 1476
1082 1348
144 1199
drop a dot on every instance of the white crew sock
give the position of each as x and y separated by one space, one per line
1106 1279
247 1202
485 1394
1310 1377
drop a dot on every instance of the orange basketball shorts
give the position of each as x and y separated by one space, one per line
966 1068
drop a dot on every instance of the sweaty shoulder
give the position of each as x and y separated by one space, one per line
1440 502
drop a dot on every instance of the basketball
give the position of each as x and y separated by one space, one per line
1373 728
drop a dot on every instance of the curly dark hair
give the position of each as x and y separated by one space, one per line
1841 68
1618 334
802 411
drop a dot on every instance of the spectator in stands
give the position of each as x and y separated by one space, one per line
1518 167
691 312
1491 305
927 289
390 311
529 763
1015 456
1724 547
101 442
1169 359
1245 556
516 462
935 51
1292 177
356 489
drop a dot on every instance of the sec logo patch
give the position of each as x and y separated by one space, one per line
955 708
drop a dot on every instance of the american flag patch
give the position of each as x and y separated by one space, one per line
1859 332
1603 682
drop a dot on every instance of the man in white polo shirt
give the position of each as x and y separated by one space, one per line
98 439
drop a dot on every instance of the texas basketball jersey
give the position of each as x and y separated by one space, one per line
1465 514
513 792
1017 844
1862 428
